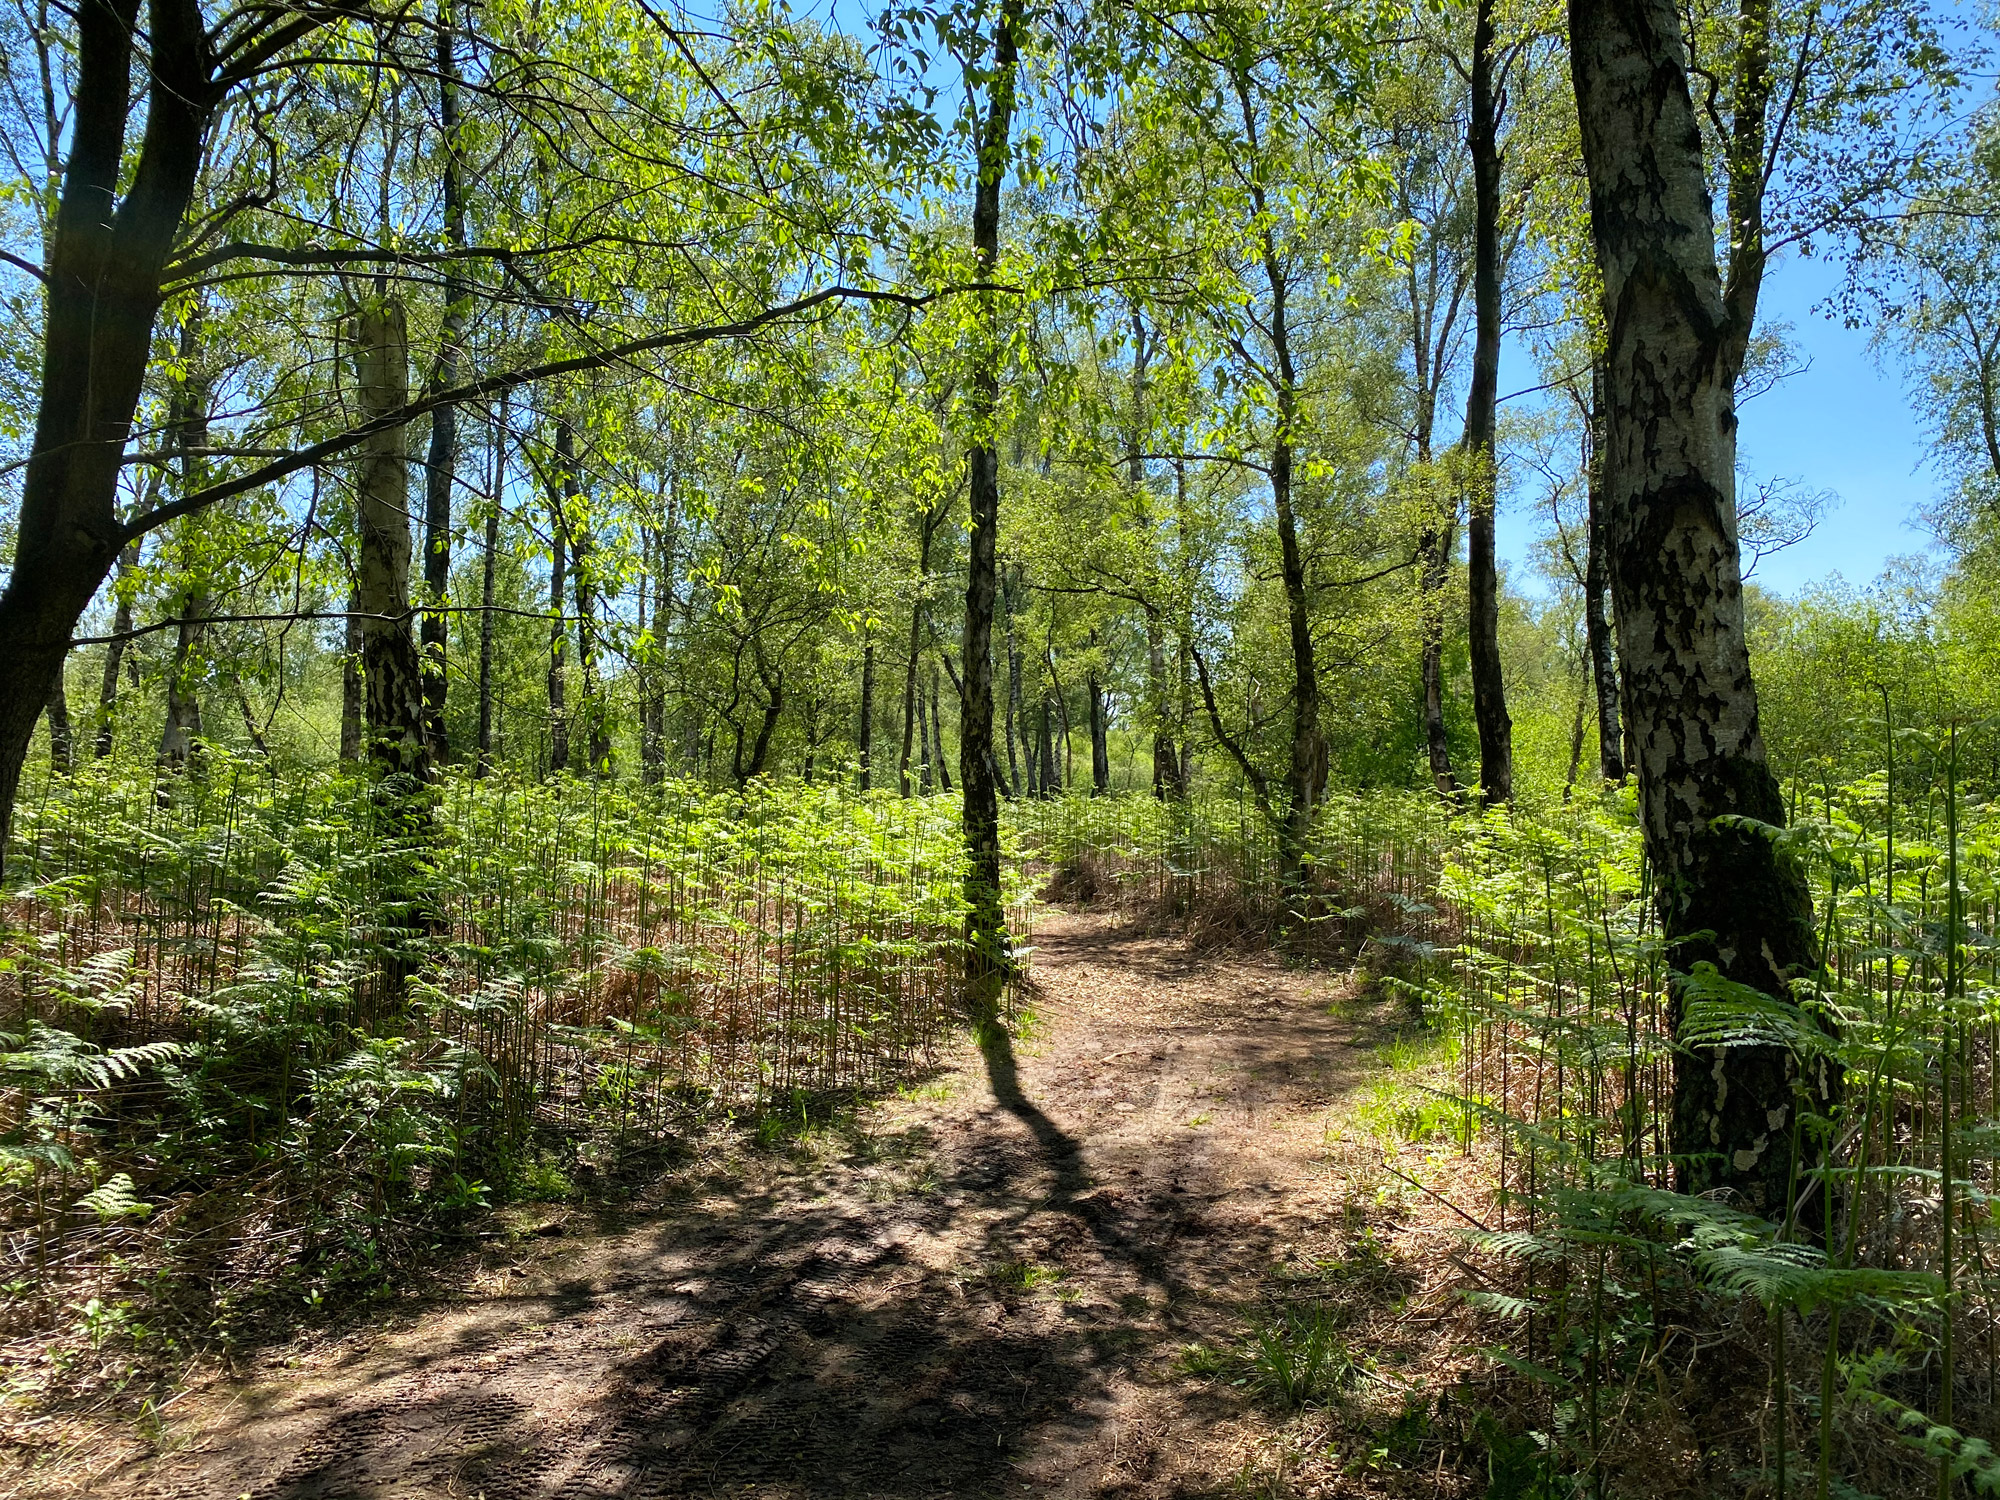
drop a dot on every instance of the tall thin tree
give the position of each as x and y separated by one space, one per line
1729 894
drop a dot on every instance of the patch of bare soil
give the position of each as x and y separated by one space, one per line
987 1288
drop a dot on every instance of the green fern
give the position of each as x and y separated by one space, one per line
115 1199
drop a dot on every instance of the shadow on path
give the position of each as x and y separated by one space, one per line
955 1309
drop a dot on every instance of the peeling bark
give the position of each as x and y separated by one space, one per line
1727 894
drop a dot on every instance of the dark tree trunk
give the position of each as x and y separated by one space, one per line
1065 769
987 959
441 469
597 718
252 730
1596 620
101 296
1305 778
116 654
653 681
1100 749
62 740
489 555
1016 726
1728 894
1436 536
391 666
1159 707
1434 570
558 581
1045 751
1489 690
865 735
924 761
1576 744
910 710
1031 766
937 736
912 742
767 728
353 692
1186 719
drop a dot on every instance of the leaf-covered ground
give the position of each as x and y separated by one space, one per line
1096 1268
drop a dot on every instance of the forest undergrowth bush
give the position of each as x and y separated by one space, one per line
1207 867
256 1046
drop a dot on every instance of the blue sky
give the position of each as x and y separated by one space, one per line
1842 424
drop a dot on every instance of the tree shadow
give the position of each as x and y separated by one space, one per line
861 1329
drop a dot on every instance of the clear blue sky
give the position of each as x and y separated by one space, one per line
1842 424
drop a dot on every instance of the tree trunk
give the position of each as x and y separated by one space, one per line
62 739
391 666
652 677
926 530
596 715
903 760
1434 570
1065 768
116 654
188 421
1016 724
352 691
1596 623
1436 536
987 959
937 735
1159 707
489 554
1100 749
441 468
558 625
865 735
1186 718
1305 778
924 761
251 729
1575 745
767 728
1728 894
1045 751
182 727
101 296
1489 690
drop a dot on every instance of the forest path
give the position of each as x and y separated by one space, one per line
980 1290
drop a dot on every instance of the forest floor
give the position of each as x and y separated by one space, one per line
988 1285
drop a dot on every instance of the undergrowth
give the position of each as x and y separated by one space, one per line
263 1048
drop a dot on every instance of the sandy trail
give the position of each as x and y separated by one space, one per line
982 1292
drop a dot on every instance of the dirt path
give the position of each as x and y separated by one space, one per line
983 1292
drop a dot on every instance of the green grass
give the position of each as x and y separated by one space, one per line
1026 1275
1293 1357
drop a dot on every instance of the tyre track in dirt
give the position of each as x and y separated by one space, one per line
983 1294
